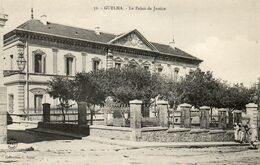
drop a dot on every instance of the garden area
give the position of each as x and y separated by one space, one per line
166 104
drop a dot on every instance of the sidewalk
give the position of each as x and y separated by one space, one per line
143 144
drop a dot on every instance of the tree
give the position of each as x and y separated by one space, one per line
129 83
85 88
60 87
200 88
235 97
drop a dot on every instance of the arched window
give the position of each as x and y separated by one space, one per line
96 64
39 61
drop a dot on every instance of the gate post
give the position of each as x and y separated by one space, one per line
222 118
82 113
204 117
46 112
136 119
163 113
185 115
251 110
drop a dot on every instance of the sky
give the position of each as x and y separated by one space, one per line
223 33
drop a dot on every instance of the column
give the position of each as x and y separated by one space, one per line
55 63
82 113
135 119
46 112
3 116
3 90
163 113
84 56
109 59
204 117
3 19
237 116
185 115
222 118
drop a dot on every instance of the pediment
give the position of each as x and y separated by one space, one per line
133 39
118 59
39 51
146 63
133 62
38 91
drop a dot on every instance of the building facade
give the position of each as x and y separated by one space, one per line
52 49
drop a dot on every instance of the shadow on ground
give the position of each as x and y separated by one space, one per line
23 136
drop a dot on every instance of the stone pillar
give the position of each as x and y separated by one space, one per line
3 115
46 108
251 110
109 59
222 118
163 113
82 113
237 116
204 117
135 119
185 115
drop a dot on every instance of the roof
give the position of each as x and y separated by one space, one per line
90 35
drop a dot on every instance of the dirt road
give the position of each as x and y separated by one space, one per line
55 150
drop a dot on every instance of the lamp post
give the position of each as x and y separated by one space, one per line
21 60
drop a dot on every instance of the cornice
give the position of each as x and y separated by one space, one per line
58 39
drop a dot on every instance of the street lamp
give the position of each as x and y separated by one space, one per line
21 61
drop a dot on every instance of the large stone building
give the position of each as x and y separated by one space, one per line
52 49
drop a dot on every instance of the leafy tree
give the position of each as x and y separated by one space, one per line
60 87
129 83
200 88
235 97
85 88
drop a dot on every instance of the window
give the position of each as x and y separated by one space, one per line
38 63
160 70
117 65
176 71
11 103
95 65
38 103
11 62
146 68
69 61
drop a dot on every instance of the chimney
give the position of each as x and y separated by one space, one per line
97 30
43 19
172 43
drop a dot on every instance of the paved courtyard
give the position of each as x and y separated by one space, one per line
56 150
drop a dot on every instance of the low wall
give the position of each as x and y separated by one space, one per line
186 135
65 127
121 133
162 134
